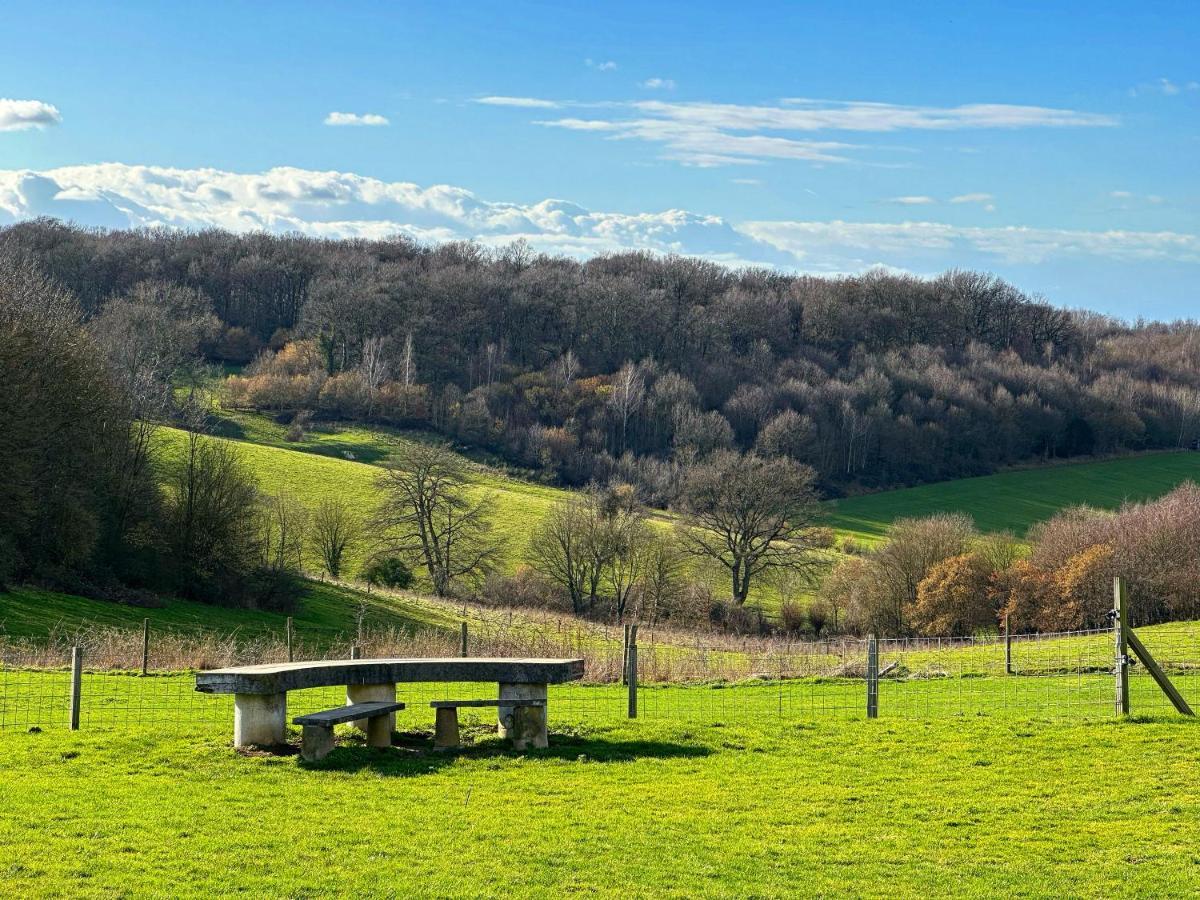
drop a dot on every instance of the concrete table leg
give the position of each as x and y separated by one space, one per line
445 728
524 725
379 730
362 693
259 719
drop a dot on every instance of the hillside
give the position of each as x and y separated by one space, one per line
324 612
1016 500
344 463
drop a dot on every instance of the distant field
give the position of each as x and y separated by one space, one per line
1019 499
317 468
324 610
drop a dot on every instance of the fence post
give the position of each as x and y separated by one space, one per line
76 685
872 677
145 646
289 638
462 650
1008 670
1120 617
625 655
631 673
355 652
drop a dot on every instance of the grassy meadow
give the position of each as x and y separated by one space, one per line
667 805
324 610
1013 501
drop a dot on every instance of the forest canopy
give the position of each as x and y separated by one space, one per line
630 366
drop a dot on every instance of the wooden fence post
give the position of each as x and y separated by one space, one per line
625 653
872 677
145 646
289 639
1007 648
1121 650
462 649
631 674
76 685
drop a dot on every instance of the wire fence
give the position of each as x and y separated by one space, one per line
1064 676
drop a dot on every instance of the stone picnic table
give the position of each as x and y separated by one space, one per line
260 692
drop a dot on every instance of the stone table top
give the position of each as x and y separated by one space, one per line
277 678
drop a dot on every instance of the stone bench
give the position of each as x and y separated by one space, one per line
260 692
445 729
316 738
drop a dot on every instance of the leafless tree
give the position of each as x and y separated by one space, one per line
432 511
752 515
335 530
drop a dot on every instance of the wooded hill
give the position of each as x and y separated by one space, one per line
626 365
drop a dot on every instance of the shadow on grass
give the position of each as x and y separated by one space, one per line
412 753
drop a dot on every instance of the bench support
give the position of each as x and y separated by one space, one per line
316 742
523 725
445 728
259 719
364 693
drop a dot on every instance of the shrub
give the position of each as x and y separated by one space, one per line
389 572
792 617
525 588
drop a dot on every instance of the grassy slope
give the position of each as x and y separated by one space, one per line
325 609
614 808
1015 500
316 468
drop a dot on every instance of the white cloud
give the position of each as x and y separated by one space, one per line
659 84
747 181
1164 86
1012 244
343 204
367 119
523 102
605 66
978 197
912 200
21 115
698 133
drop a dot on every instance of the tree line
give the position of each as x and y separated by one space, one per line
628 366
937 576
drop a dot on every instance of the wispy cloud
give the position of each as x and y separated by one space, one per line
603 66
659 84
521 102
979 197
1164 86
22 115
704 134
356 119
912 200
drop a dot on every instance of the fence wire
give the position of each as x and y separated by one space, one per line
1051 676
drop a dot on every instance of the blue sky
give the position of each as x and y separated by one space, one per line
1054 146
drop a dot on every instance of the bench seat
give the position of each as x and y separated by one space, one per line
316 740
445 729
452 704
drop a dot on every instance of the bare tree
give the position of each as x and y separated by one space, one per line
628 394
752 515
335 530
284 523
430 512
559 549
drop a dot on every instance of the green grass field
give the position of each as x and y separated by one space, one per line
324 610
316 470
672 804
1015 500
